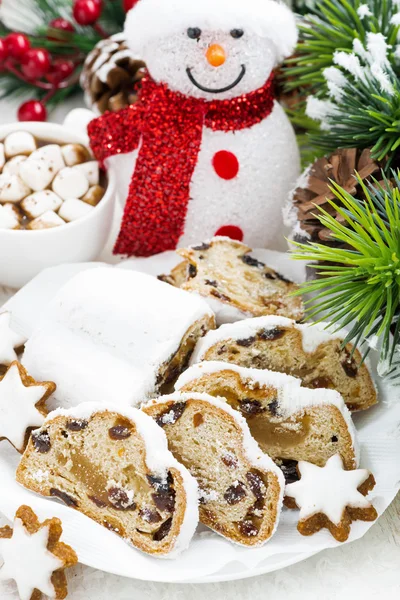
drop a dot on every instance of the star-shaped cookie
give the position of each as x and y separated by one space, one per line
9 340
34 557
22 404
330 497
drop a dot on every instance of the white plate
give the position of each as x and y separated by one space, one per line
210 557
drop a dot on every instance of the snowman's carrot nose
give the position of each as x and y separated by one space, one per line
216 55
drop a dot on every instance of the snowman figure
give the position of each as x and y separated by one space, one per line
207 150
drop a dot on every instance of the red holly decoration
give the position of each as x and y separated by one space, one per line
231 231
60 70
87 12
35 63
62 25
128 4
17 44
3 51
33 110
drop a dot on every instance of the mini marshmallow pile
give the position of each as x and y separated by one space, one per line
45 185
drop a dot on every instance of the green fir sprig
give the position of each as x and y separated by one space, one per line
331 26
358 286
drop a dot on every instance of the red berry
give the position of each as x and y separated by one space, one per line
87 12
35 63
3 51
17 44
33 110
128 4
62 24
60 70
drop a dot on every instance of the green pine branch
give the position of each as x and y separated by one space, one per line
359 285
332 25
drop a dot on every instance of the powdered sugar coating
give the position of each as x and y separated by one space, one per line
327 490
107 333
252 450
28 561
292 398
158 459
313 334
9 340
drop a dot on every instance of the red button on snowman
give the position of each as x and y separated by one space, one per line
207 150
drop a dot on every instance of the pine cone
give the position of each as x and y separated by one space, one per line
339 167
111 76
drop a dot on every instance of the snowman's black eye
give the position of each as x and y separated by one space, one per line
237 33
194 33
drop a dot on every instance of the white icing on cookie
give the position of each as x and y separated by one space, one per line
158 459
313 334
328 490
28 561
9 340
18 409
292 398
107 333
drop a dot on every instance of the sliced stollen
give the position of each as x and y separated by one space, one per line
235 284
115 468
309 352
113 334
289 422
240 488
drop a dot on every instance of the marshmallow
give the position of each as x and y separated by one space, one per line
19 142
40 202
94 195
12 166
7 220
73 209
91 171
12 188
51 155
42 166
70 183
75 154
2 157
37 174
46 221
14 211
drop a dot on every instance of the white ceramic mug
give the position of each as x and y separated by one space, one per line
24 253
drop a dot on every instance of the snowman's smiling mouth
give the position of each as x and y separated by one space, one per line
220 90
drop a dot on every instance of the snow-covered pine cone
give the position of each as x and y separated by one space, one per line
313 189
111 75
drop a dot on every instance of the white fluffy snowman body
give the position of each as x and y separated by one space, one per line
222 51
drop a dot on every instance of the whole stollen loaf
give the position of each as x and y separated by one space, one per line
117 336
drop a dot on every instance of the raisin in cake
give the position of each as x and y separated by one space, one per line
289 422
240 487
234 283
309 352
116 469
114 334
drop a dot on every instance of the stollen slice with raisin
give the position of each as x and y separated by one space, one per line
235 284
240 487
289 422
115 468
308 351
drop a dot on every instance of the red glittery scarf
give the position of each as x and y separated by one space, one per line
169 126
